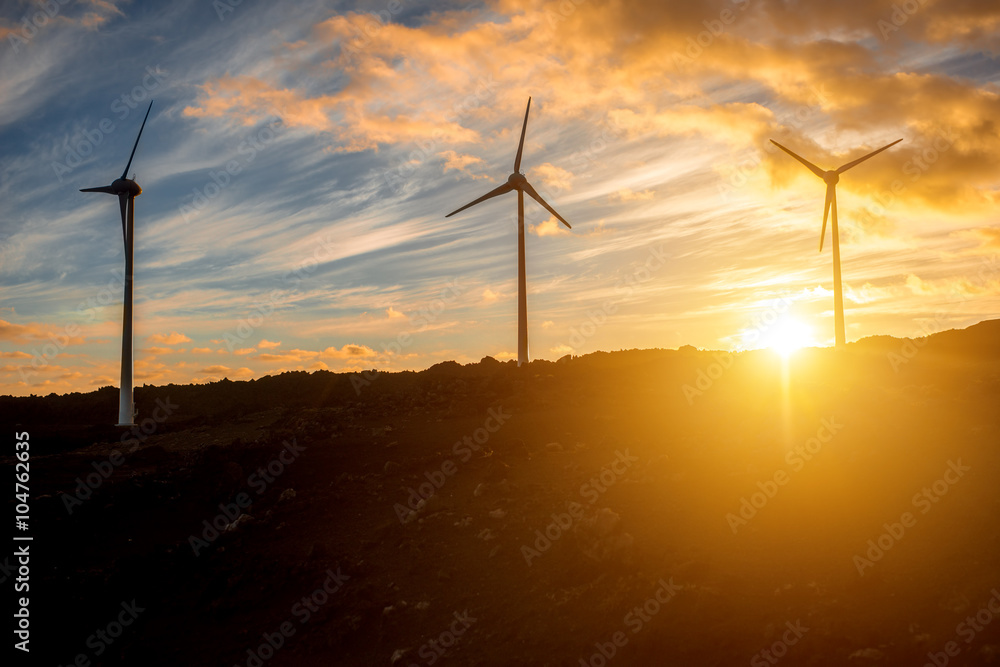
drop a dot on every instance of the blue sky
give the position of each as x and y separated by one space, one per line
350 129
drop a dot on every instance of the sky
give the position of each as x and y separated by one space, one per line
300 158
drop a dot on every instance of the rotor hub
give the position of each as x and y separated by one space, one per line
831 177
517 180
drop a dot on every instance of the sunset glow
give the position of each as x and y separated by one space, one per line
787 336
297 167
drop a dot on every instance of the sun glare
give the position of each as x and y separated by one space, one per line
787 336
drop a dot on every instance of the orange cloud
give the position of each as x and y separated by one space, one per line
460 163
489 296
349 351
552 176
159 350
626 194
290 355
550 227
173 338
34 332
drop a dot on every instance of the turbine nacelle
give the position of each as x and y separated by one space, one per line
831 177
126 186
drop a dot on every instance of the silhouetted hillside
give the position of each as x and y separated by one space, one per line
66 422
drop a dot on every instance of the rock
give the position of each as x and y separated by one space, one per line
390 467
553 447
480 490
498 513
287 494
241 520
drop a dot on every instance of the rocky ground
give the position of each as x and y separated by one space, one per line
633 508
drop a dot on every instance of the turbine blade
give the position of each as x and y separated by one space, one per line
125 173
826 211
520 145
105 188
813 168
862 159
123 204
496 192
538 198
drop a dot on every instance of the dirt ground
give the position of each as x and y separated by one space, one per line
661 507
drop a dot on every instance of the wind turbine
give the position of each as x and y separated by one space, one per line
127 190
831 178
517 181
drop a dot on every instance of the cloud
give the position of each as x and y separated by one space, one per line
626 194
552 177
106 6
550 227
349 351
268 345
17 354
20 332
394 314
460 163
736 123
490 296
159 350
245 351
201 350
31 332
216 370
173 338
290 355
988 238
958 287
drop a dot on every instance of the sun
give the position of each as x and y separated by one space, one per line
788 335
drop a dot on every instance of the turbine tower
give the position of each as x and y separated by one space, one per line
517 181
831 178
127 190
